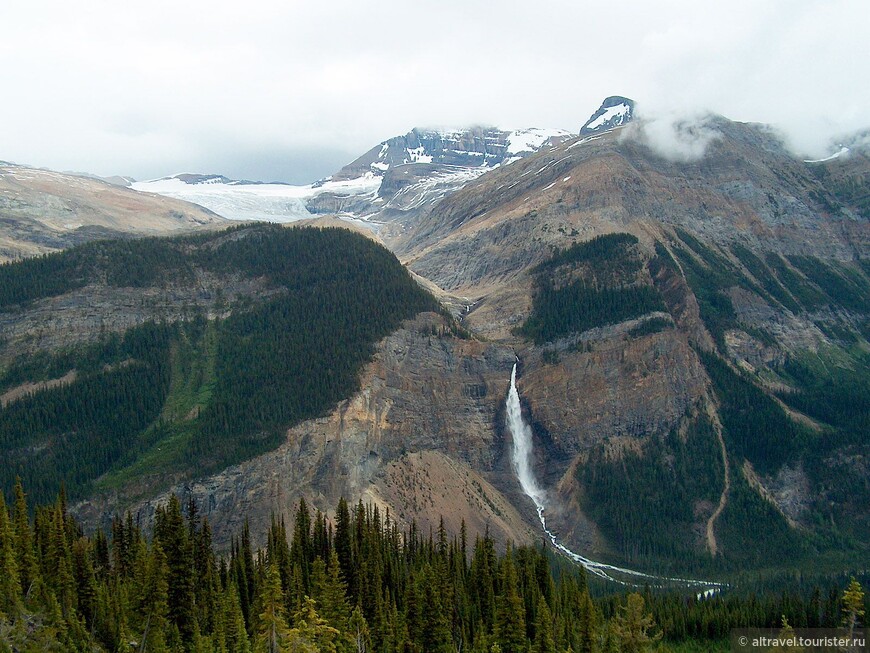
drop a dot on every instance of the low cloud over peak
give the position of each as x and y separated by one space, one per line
677 137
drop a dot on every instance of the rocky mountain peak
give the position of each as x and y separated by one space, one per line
470 147
615 111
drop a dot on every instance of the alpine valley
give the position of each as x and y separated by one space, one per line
688 317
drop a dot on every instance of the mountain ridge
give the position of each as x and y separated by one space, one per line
393 182
44 211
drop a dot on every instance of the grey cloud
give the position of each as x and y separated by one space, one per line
137 89
672 136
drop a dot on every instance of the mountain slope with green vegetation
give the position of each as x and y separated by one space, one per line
354 583
202 392
777 434
589 284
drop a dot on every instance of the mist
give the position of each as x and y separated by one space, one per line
673 136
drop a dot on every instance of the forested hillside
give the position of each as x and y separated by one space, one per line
778 434
208 387
589 284
352 583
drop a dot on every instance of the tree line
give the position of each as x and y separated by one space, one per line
355 582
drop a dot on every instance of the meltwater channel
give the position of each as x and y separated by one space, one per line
521 457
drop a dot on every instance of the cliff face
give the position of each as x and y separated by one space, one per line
621 387
422 439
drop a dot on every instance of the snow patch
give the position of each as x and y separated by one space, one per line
418 155
610 113
582 141
835 155
531 140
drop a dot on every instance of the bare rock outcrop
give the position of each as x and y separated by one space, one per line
425 393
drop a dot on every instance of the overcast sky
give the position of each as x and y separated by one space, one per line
291 91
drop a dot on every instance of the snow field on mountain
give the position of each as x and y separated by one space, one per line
264 202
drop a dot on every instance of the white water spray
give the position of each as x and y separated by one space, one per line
522 446
521 457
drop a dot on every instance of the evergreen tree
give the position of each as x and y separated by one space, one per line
484 579
853 606
311 629
436 628
205 575
610 640
787 639
587 626
329 591
344 548
510 626
28 565
272 631
321 537
633 626
544 642
359 631
59 559
85 580
302 546
246 580
236 636
174 539
152 601
10 586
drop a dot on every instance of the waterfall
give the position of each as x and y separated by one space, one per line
522 446
521 458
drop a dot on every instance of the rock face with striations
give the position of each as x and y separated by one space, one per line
422 438
471 147
424 166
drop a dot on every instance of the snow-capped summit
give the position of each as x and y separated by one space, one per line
469 148
613 112
425 165
395 180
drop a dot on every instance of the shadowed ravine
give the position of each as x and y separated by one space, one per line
521 456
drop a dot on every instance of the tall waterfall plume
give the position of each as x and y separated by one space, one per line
521 454
521 458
